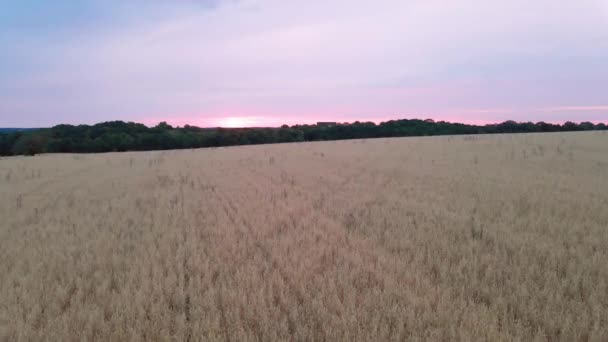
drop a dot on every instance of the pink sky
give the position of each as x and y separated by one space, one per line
269 62
232 120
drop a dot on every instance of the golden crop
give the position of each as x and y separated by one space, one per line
490 238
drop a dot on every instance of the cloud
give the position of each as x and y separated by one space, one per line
311 59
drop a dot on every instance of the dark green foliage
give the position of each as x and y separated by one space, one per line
12 130
6 143
29 144
119 136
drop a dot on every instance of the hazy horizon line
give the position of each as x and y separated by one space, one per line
234 122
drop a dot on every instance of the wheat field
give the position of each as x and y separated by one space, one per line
491 238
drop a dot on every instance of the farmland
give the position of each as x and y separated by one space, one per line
489 237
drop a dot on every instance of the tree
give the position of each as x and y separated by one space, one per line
29 144
6 143
163 126
586 126
287 134
570 126
125 136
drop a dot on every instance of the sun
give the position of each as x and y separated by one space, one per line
235 122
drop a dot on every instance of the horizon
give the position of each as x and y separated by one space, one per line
264 63
236 123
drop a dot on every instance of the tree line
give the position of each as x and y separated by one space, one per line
117 136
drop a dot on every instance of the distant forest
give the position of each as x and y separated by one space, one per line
10 130
129 136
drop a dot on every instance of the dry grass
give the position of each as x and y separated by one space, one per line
444 238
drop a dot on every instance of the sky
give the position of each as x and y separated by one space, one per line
268 62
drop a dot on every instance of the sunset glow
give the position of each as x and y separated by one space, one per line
235 121
269 62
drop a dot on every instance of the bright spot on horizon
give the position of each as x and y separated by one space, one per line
236 122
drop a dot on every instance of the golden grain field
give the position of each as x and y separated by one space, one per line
491 238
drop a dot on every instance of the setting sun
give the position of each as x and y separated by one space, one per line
236 122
